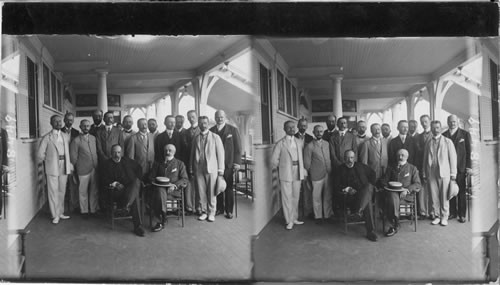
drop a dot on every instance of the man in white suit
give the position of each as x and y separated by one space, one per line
83 153
54 151
440 166
317 162
207 162
287 157
141 147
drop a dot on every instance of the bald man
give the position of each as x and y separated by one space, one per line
462 142
231 141
407 174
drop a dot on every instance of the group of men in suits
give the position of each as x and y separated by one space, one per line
109 160
336 162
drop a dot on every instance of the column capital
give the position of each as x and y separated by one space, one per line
101 71
336 76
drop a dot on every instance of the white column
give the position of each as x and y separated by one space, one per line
337 95
197 94
102 93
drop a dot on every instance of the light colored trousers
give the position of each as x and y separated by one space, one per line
88 192
424 199
321 189
440 206
56 191
190 196
205 184
290 194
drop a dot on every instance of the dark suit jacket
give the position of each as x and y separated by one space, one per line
231 141
307 138
105 141
396 144
189 135
408 176
125 172
421 141
175 170
73 132
327 135
94 128
162 140
341 145
462 142
364 174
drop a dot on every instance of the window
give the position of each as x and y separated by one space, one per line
53 90
46 85
265 103
281 92
60 96
295 112
494 97
32 98
287 96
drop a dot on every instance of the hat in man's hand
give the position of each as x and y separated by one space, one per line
452 189
220 185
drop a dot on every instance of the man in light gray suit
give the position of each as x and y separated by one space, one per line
54 151
317 163
287 157
373 152
83 153
207 162
141 148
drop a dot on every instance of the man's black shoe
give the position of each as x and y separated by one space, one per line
461 219
421 217
392 231
229 216
219 212
188 213
319 221
139 231
85 216
158 227
372 236
451 217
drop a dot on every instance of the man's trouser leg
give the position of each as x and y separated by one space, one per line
423 199
287 200
228 194
160 202
56 189
392 208
129 197
443 198
316 197
211 179
83 189
327 197
460 200
307 192
93 192
364 196
201 186
189 196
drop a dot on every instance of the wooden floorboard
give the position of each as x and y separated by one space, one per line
325 253
88 250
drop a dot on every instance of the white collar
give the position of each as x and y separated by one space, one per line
452 132
436 137
205 132
221 126
56 132
343 132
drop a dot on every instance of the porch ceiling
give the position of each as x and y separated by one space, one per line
136 65
383 69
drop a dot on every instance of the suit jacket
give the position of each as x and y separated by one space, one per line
408 176
447 158
364 175
143 152
94 128
105 141
162 140
307 138
397 144
214 153
72 132
127 136
374 155
327 135
125 172
231 141
340 145
462 143
282 159
49 153
189 135
175 170
421 140
83 154
317 159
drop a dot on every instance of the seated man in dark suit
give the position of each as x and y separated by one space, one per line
407 174
121 176
356 179
175 171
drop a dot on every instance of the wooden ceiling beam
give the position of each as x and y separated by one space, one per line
142 76
381 81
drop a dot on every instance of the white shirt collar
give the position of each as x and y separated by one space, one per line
453 131
343 132
56 132
221 126
205 132
437 137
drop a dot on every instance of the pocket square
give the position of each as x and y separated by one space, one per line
229 136
174 170
461 140
407 174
